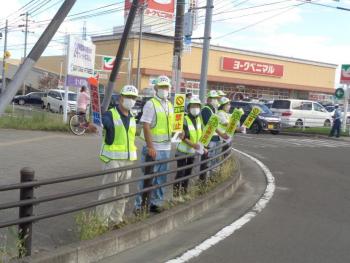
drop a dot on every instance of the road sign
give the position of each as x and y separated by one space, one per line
179 112
339 93
209 130
251 117
234 120
345 74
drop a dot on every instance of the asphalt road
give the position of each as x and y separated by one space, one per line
51 155
307 219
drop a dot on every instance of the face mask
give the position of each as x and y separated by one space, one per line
128 103
195 111
162 93
214 103
227 108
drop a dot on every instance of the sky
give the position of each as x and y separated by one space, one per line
290 28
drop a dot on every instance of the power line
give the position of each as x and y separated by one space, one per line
260 21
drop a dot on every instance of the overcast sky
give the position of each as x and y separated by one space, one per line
290 28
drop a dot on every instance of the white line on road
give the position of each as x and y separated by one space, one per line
230 229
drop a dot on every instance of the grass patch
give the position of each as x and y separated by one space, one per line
89 225
43 121
224 172
314 130
11 245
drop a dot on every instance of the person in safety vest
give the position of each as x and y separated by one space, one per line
207 111
118 150
192 131
158 121
223 113
221 95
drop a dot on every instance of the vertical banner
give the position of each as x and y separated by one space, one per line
95 104
179 112
234 120
80 61
209 130
251 117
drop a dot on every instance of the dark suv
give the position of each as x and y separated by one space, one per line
266 121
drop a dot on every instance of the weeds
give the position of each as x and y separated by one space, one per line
34 121
89 225
11 245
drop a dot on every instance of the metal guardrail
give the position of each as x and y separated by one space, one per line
28 184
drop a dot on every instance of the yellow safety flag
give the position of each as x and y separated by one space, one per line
209 130
234 120
251 117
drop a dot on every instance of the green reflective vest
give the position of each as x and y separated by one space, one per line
195 135
163 128
123 146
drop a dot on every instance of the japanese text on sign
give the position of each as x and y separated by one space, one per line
209 130
251 117
234 120
251 67
179 112
95 101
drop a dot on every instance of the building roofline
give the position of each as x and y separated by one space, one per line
169 39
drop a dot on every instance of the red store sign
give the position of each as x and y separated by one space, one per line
251 67
159 8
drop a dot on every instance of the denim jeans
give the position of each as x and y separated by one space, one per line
213 153
157 195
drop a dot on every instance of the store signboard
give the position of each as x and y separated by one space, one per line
345 74
108 63
251 67
81 61
155 8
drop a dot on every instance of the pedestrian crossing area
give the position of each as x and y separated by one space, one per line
262 141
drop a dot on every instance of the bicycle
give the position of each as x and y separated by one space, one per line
78 123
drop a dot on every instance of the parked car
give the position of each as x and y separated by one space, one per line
301 113
266 121
31 98
55 101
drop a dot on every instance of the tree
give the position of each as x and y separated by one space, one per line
48 81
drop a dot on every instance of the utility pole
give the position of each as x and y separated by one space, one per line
120 55
84 30
25 45
138 75
178 44
205 51
35 54
3 84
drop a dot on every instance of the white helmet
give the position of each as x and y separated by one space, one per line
163 81
129 90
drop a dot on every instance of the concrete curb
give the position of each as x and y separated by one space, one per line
320 136
117 241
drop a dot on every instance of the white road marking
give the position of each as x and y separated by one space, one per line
230 229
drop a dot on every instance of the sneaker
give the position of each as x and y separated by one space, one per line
156 209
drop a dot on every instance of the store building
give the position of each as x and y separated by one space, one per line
257 75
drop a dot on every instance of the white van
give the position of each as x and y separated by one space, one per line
55 101
301 113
